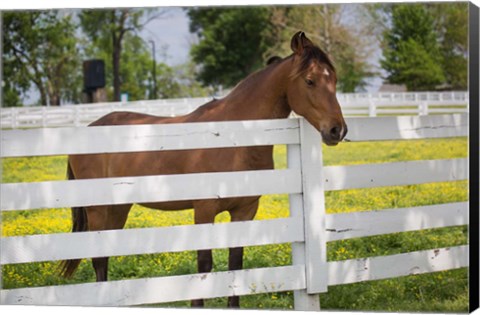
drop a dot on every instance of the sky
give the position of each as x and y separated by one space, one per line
171 32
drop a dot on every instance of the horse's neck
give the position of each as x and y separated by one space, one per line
261 95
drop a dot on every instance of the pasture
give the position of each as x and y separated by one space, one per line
442 291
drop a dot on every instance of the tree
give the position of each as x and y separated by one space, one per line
451 25
188 86
338 29
231 42
136 75
236 41
411 54
15 81
40 50
107 31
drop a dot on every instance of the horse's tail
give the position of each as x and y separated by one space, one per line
79 224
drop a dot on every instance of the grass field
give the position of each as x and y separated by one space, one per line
441 291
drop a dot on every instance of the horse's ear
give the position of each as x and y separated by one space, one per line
299 42
273 59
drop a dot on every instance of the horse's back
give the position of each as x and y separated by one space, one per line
128 118
206 112
169 162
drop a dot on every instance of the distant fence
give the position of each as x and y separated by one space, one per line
418 103
359 104
308 228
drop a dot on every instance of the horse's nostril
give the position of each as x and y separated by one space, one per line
335 132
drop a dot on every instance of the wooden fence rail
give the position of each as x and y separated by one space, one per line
308 228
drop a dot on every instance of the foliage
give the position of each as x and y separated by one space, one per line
40 49
16 85
107 29
135 70
348 44
231 44
441 291
228 53
44 49
188 86
426 45
451 23
132 72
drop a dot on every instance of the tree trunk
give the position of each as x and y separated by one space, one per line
53 92
54 98
116 69
43 96
116 53
327 17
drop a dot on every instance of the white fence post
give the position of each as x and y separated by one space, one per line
44 116
76 116
423 108
302 300
314 209
372 110
14 117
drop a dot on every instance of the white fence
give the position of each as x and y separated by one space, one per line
308 228
359 104
408 103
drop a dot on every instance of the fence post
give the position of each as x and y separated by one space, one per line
302 300
314 209
76 116
372 110
44 116
423 108
14 117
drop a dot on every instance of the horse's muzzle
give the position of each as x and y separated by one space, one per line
335 134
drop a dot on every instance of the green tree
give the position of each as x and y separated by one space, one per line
411 54
451 24
346 40
136 73
188 86
231 42
107 31
40 50
15 81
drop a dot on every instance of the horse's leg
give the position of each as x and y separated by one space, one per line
244 212
204 212
105 218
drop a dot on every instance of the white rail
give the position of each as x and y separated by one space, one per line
309 228
358 104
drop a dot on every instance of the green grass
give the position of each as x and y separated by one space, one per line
441 292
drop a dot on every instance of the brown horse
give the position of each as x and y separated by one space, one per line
304 82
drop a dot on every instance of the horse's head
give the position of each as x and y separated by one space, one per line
311 91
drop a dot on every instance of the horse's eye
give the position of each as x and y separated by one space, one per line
309 82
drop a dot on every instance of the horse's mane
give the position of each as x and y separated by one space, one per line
309 53
312 53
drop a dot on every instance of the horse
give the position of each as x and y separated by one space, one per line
304 82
